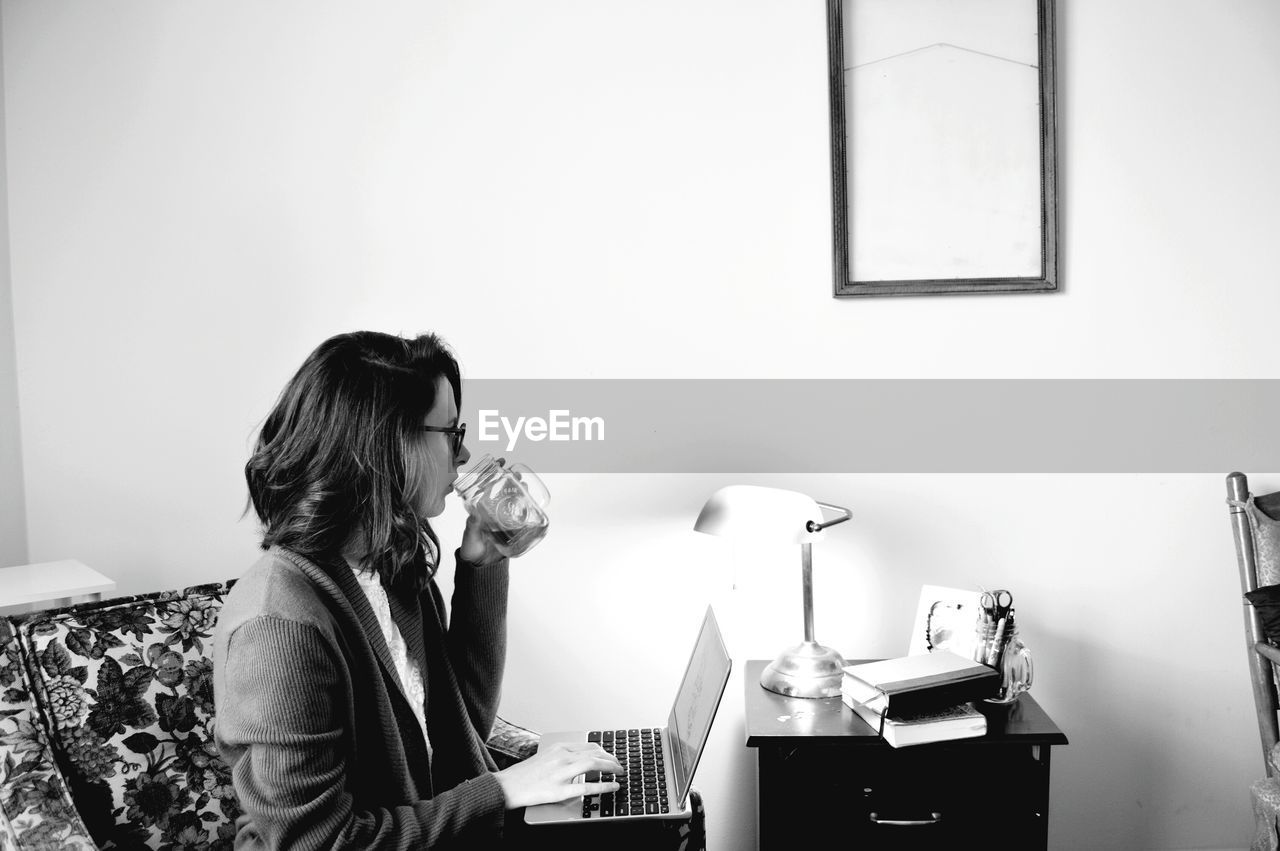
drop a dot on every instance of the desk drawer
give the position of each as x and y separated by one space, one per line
928 796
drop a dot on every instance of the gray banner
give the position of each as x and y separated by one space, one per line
876 426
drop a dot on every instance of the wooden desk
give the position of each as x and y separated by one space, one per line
51 584
824 772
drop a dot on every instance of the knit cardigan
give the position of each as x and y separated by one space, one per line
324 749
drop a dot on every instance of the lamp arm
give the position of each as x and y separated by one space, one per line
814 526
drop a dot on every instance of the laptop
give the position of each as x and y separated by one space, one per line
658 762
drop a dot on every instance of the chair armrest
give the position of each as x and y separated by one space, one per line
36 810
509 743
1267 651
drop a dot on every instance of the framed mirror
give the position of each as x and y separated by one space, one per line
943 156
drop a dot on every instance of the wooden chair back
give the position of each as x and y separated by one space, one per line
1257 561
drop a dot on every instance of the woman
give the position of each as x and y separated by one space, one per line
351 707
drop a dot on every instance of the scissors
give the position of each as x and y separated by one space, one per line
996 603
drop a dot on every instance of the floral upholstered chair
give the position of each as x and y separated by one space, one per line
124 692
106 729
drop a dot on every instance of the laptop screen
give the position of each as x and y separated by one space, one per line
697 701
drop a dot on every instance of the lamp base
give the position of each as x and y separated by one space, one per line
807 670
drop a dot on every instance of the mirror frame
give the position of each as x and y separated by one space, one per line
845 285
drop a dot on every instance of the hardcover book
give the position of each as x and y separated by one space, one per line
910 685
961 721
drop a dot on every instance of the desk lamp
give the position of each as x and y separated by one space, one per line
773 515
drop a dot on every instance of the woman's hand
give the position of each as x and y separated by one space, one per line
477 547
548 776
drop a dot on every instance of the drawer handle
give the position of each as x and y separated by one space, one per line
898 822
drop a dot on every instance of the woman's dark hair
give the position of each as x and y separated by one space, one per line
330 461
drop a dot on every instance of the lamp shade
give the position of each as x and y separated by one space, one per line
768 515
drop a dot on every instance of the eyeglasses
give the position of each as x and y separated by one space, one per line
459 432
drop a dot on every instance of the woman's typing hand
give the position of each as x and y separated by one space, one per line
553 774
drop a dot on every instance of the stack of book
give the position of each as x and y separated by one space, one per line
912 700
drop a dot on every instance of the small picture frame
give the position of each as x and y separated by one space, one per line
945 619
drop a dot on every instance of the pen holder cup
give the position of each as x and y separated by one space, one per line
1007 654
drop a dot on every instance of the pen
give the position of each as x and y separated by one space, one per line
981 635
994 653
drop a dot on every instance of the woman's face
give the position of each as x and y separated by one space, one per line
434 467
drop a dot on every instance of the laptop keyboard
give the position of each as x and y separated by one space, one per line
643 781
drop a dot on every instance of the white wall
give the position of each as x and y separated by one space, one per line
13 514
198 193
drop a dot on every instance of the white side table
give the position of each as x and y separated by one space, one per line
50 585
